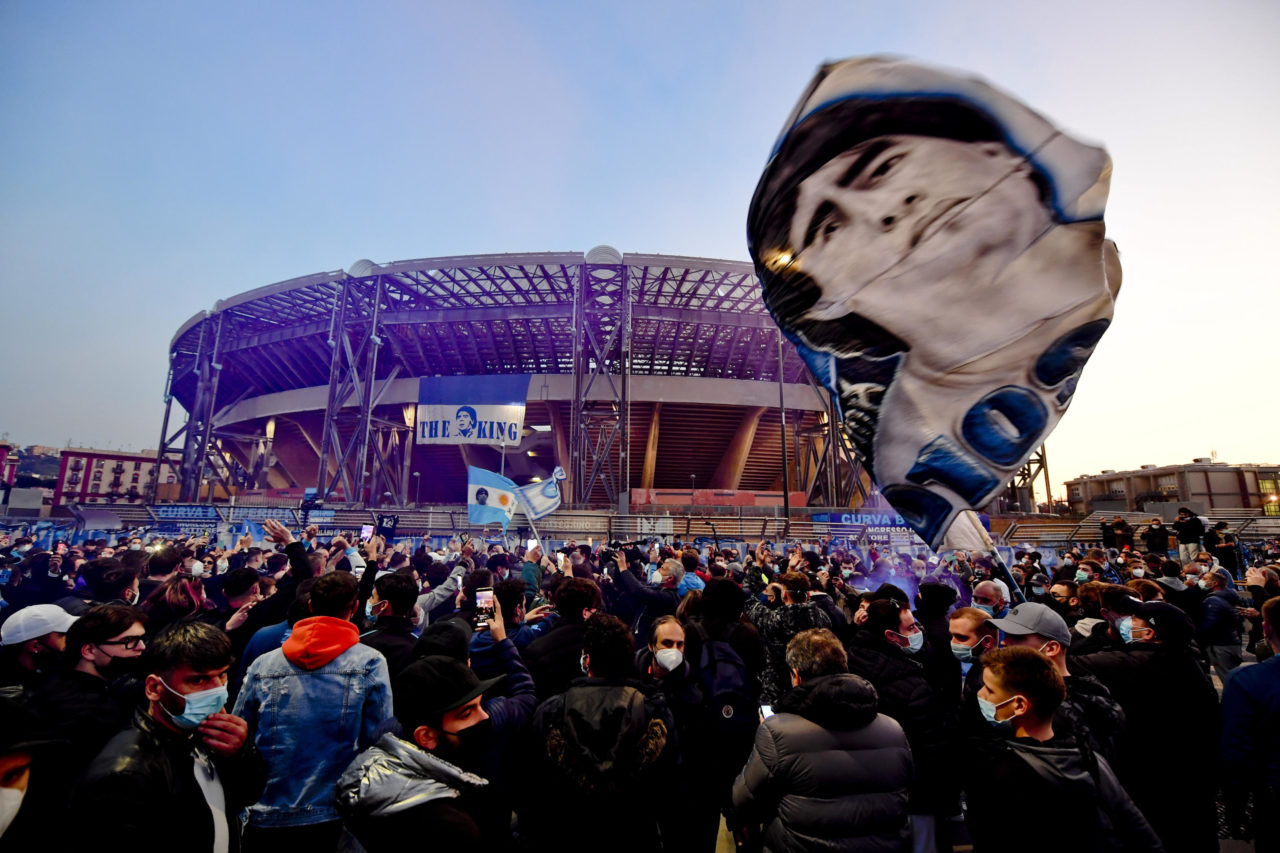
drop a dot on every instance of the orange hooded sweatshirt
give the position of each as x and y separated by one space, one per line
317 640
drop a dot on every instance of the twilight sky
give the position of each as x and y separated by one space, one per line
160 156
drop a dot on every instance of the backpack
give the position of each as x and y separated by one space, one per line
726 690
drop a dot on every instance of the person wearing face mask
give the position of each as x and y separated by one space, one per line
991 598
886 653
825 733
1088 710
1156 538
33 640
192 764
1030 757
388 613
666 669
1159 679
1219 630
605 745
92 696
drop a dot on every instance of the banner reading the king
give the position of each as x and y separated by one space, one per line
471 409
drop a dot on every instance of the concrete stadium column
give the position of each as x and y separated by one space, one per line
651 449
729 472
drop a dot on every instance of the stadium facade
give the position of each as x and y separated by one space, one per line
649 376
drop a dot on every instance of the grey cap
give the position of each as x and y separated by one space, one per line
1033 618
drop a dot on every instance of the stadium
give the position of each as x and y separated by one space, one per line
652 380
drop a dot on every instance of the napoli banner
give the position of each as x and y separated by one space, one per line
936 251
490 497
471 409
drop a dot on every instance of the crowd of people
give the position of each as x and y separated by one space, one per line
300 694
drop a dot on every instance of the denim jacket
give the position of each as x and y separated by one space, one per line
312 707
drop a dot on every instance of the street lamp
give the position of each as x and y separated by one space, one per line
691 479
417 489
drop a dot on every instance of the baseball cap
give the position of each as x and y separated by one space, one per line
428 688
449 637
1033 618
35 621
1039 579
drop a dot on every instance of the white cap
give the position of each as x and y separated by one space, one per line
35 621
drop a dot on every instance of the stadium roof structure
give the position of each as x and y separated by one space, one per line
602 318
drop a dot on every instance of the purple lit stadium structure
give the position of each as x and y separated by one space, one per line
649 371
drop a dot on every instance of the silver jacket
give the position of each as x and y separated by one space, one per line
394 776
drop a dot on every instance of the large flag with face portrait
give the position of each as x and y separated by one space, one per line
490 497
936 251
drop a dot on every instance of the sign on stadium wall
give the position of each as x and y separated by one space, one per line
471 409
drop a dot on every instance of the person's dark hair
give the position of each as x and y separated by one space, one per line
722 602
891 592
815 653
575 595
797 585
99 624
1119 599
399 590
477 579
1147 590
300 607
609 644
91 573
135 559
334 595
112 583
935 598
1024 670
496 562
690 561
884 614
237 582
1073 588
690 607
163 562
250 553
398 559
199 645
717 570
510 595
276 562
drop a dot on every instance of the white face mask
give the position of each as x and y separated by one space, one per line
10 802
223 565
197 570
669 659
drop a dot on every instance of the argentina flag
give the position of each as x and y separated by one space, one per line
541 499
490 497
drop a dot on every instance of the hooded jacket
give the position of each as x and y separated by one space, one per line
312 705
1052 771
827 772
1220 624
608 743
396 790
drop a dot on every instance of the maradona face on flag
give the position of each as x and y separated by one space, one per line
490 497
936 251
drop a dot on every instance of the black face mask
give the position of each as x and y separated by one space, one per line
473 746
119 667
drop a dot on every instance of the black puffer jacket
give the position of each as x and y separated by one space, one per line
827 772
905 695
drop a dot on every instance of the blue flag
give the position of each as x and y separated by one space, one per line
541 499
490 497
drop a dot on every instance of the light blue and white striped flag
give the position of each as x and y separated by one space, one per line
490 497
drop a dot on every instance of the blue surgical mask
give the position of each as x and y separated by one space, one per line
987 609
915 642
368 610
1124 627
963 653
1037 590
989 709
200 705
